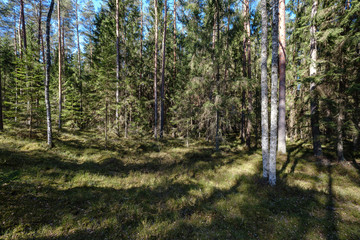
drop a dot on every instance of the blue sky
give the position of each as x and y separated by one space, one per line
97 4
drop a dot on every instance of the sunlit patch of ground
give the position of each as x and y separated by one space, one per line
143 189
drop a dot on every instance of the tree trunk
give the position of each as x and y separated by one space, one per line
78 53
1 104
264 91
242 128
47 76
106 122
340 122
274 93
247 58
282 79
217 137
155 69
314 102
215 38
39 27
16 79
174 40
19 36
141 44
59 63
23 24
117 66
162 112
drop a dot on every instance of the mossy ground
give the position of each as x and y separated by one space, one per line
143 189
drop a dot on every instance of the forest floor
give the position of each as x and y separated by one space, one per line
143 189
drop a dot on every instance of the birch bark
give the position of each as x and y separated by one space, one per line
47 75
314 113
274 92
264 91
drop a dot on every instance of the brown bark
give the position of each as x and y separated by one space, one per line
23 23
247 70
39 27
106 122
1 104
59 63
155 69
162 112
217 136
16 80
141 42
282 79
20 37
117 65
174 40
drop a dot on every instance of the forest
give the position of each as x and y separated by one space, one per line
179 119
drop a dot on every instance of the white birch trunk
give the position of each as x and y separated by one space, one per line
47 75
264 91
314 113
274 93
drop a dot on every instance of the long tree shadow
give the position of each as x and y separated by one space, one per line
193 162
255 207
247 209
356 165
292 207
331 218
36 207
292 150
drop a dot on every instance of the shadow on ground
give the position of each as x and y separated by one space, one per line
182 207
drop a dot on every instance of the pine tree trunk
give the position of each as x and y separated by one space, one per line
274 93
124 77
243 130
59 63
20 38
1 104
264 91
106 122
39 27
47 76
141 45
155 70
126 123
41 38
79 54
215 38
217 137
247 58
174 40
314 102
242 127
340 122
16 79
162 112
282 79
23 24
117 67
